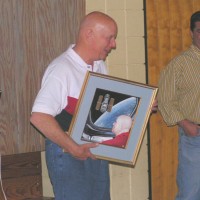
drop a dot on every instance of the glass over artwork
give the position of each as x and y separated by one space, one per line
110 118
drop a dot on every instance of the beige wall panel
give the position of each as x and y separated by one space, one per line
120 182
118 57
118 71
134 4
113 5
139 189
137 72
135 21
136 50
95 5
120 17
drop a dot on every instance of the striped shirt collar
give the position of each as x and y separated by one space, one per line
195 49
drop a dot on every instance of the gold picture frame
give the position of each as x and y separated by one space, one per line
105 101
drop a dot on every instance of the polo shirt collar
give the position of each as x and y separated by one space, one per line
79 60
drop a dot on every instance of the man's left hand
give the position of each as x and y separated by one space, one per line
154 106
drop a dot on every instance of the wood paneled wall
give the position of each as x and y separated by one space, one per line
167 35
33 32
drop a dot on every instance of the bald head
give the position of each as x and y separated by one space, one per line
122 124
96 37
96 18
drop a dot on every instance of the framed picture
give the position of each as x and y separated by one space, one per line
113 112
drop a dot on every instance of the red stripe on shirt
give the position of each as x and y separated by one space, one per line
70 108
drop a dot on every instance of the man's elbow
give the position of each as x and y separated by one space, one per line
34 119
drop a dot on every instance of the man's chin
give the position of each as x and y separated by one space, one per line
104 57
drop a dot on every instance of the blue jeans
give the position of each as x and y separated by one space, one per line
73 179
188 173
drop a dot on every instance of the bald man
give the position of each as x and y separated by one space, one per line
121 129
75 175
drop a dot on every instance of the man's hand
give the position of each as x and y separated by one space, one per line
52 130
154 106
189 127
82 152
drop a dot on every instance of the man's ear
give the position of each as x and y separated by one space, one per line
192 34
89 33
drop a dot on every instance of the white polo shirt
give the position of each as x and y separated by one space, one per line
62 82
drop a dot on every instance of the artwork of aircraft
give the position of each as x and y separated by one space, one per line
92 129
105 103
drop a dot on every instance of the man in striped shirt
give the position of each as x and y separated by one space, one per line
179 104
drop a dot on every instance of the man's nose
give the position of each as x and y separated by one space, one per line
113 44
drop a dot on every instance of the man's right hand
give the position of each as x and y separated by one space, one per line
82 152
189 127
47 125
